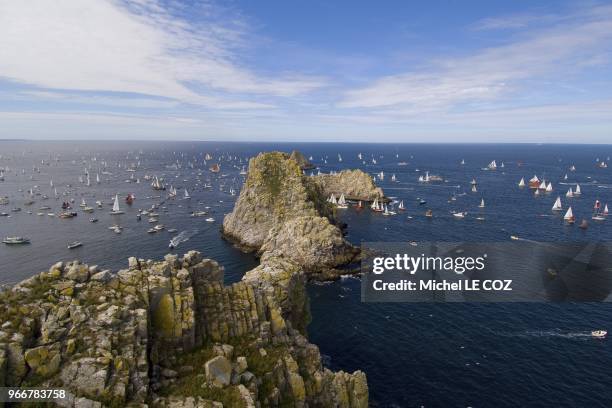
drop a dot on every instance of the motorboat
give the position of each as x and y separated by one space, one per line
600 334
16 240
74 244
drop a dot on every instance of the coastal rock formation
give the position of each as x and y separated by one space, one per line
354 184
168 333
283 213
301 160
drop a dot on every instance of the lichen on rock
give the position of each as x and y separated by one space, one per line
168 333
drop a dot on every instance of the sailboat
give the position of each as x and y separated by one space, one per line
534 182
462 162
597 215
542 185
401 206
549 188
381 175
577 192
377 206
569 216
522 182
565 177
492 165
342 202
186 195
482 203
557 205
569 193
97 178
605 211
474 190
116 210
393 178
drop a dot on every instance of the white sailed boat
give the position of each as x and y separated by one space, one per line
605 211
381 175
549 188
401 206
97 178
473 182
332 199
542 185
187 196
534 182
569 216
569 193
116 210
522 182
572 168
482 203
492 165
598 215
577 191
393 178
342 202
462 162
474 190
557 205
565 177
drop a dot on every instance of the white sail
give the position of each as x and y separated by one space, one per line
116 204
374 205
605 211
492 165
342 200
569 215
577 191
557 205
565 177
474 190
542 185
482 203
522 182
426 179
549 187
187 194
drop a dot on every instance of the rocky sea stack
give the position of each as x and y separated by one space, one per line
282 213
168 333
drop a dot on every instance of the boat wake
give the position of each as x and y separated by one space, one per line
581 335
183 236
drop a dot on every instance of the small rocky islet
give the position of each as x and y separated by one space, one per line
169 333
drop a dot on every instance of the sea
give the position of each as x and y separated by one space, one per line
414 354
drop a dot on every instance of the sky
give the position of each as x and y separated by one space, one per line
319 71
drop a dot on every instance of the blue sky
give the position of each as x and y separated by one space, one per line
393 71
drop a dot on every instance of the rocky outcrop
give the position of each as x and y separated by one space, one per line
168 333
354 184
282 213
301 160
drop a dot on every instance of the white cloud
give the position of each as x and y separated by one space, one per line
134 47
490 73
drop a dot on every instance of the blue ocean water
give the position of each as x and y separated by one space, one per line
432 355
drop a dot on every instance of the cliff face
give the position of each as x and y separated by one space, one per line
283 213
169 334
354 184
